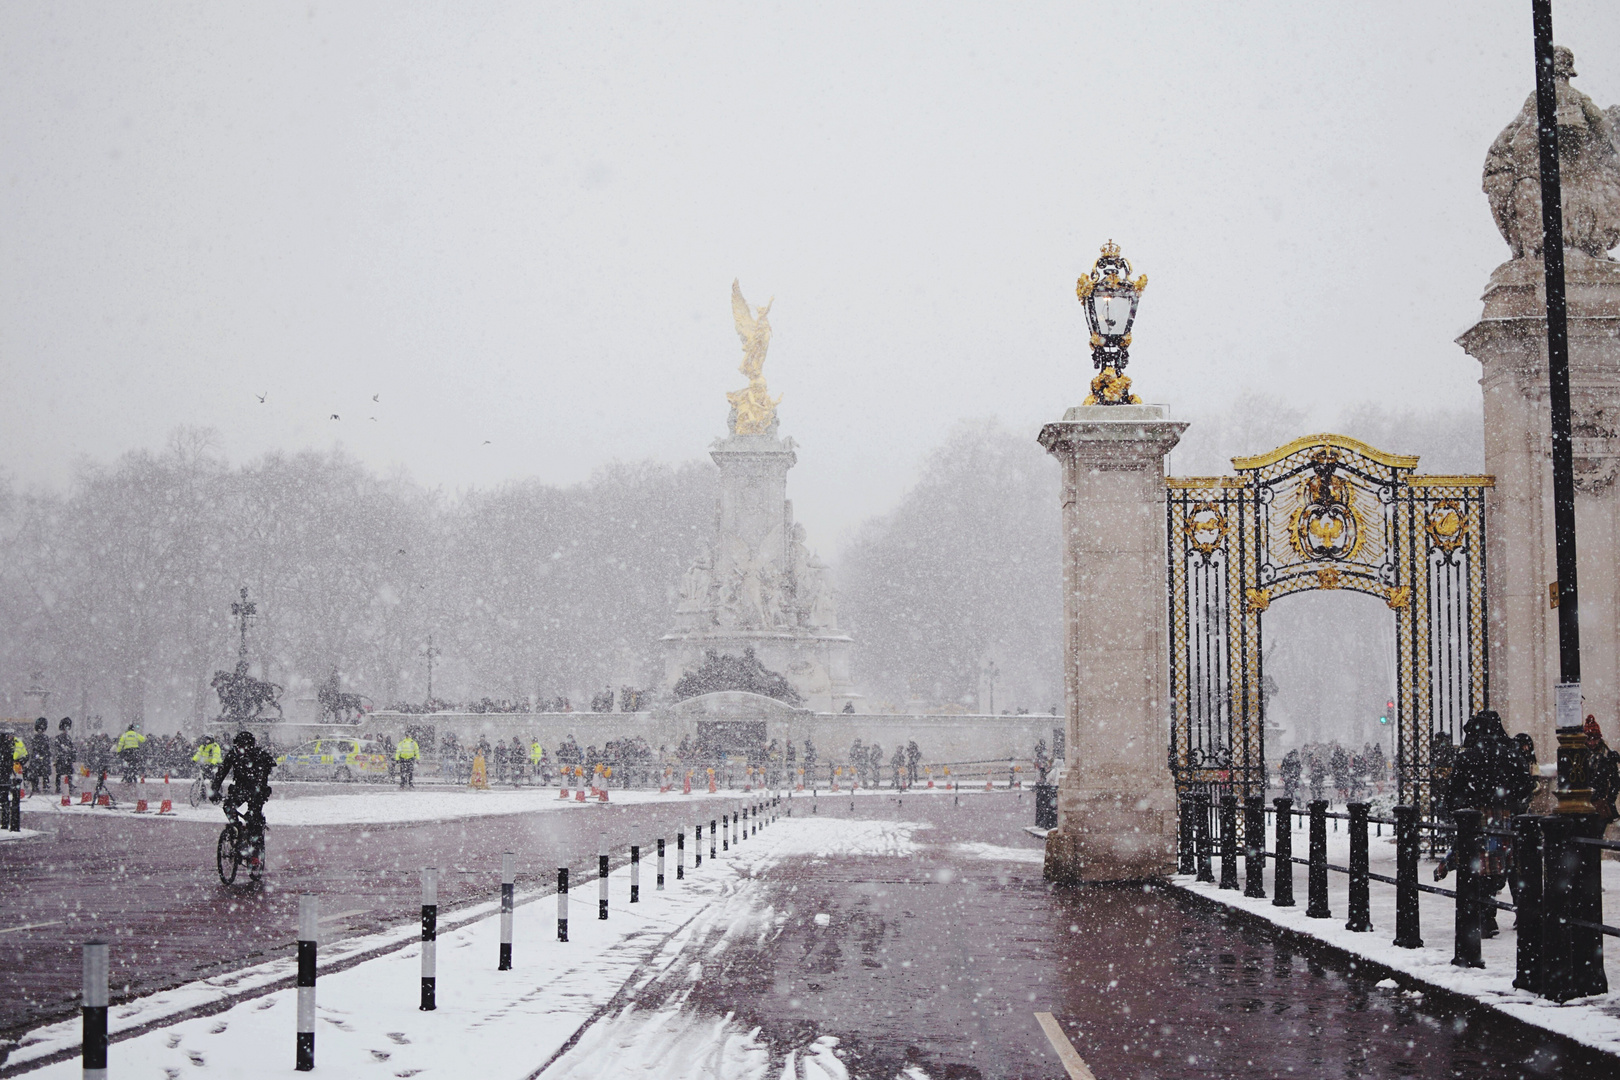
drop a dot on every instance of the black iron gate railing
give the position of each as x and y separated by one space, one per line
1323 512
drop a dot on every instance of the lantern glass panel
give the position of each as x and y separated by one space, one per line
1113 314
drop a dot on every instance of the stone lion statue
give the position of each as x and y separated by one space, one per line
1588 165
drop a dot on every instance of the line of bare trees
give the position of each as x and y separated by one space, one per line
116 593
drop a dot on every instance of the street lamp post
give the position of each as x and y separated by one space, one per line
1110 298
1574 789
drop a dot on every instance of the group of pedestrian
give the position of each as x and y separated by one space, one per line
1354 775
41 763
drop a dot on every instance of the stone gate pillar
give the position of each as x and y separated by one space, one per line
1116 804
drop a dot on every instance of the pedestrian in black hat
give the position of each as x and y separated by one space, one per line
66 755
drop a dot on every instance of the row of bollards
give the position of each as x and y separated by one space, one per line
727 830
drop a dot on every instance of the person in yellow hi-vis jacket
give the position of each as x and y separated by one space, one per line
128 749
405 756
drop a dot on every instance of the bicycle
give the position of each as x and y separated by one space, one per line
237 846
200 786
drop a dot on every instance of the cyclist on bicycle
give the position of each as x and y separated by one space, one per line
249 764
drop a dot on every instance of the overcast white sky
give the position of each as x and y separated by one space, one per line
519 223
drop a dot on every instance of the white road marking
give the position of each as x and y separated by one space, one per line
335 916
31 926
1072 1061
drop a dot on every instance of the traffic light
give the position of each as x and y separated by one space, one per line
1389 711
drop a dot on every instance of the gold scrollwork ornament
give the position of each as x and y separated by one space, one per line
1111 388
1446 524
1205 528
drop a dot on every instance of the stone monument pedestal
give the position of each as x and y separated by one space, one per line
1117 801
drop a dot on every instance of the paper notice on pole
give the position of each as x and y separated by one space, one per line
1569 704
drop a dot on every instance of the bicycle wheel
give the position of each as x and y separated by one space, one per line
256 866
228 855
199 792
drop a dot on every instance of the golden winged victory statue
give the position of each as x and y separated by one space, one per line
752 410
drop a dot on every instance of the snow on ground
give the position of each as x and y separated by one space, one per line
382 804
563 1001
997 853
20 834
1594 1021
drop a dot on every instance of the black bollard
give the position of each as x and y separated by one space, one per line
601 876
697 845
1316 901
680 853
1254 847
1186 861
660 881
1407 848
508 887
1527 888
1283 872
1360 902
1201 839
1229 842
94 1009
430 938
1571 956
1586 906
1465 952
308 922
562 903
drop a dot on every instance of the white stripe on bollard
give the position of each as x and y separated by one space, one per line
94 1052
508 886
308 923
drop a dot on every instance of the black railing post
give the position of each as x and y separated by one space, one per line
1360 902
1557 883
1254 847
1407 849
1527 899
1316 902
1586 905
1283 873
1201 840
1229 841
1465 846
1187 861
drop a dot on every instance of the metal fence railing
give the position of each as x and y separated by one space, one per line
1555 866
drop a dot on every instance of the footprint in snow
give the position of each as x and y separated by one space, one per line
267 1003
399 1038
171 1074
173 1040
196 1058
407 1072
217 1029
381 1055
341 1025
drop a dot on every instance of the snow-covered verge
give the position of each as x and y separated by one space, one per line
20 834
1593 1021
380 805
565 1006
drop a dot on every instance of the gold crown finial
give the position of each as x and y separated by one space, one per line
1110 250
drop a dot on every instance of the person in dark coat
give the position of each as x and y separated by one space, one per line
1290 771
39 756
65 754
1602 771
1489 775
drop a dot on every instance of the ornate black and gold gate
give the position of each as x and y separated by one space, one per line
1323 512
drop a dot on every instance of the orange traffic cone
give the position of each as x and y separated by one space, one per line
563 794
712 787
166 806
686 785
140 796
579 795
67 800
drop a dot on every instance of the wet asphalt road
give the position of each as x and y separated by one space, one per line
939 960
942 961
